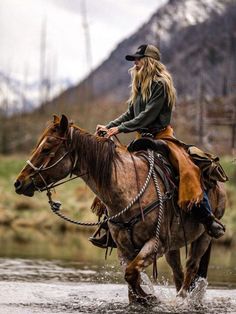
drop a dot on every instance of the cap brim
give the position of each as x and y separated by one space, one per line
133 57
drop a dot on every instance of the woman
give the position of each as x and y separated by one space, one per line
151 101
152 95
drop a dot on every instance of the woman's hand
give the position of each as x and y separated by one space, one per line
112 131
99 128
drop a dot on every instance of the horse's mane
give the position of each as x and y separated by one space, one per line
96 155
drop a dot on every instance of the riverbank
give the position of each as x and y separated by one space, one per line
20 211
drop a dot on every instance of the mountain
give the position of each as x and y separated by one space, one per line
17 96
197 39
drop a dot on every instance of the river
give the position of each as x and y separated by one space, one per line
47 272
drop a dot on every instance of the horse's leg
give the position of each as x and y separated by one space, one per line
132 273
124 261
204 262
173 259
197 250
203 267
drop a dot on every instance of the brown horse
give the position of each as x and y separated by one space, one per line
108 169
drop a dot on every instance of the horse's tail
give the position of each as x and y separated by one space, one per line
204 263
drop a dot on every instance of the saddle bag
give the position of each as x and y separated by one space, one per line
210 166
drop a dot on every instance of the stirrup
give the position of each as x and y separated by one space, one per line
103 241
97 232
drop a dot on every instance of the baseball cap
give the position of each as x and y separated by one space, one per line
145 51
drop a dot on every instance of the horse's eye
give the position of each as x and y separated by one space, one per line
45 151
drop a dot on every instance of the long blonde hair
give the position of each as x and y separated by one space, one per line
152 70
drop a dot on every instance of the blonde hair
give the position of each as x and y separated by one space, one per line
152 70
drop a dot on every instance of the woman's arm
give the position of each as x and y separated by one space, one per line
128 115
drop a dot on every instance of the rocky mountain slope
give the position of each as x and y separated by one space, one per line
197 39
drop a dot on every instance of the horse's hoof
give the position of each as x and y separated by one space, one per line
152 299
138 300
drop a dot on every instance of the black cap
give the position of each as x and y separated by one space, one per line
145 51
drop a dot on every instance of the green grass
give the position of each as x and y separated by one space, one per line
10 166
229 165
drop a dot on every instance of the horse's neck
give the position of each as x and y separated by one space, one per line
124 186
97 150
125 180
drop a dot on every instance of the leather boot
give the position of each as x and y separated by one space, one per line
214 227
203 214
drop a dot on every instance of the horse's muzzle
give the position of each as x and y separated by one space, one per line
26 189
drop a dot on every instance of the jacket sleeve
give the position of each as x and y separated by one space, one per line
128 115
149 115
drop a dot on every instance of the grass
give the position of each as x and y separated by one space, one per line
229 218
20 210
76 198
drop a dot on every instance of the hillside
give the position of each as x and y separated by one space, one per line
197 39
198 45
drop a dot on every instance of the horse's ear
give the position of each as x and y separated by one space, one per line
56 119
64 123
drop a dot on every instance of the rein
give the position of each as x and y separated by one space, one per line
55 205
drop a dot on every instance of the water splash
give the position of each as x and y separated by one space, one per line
49 287
146 283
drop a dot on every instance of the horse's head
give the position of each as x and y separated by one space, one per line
50 160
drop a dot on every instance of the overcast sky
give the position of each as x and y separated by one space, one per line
110 21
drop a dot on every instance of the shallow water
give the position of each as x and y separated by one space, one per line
40 286
63 273
67 297
73 250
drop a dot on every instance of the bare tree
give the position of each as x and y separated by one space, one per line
88 51
42 62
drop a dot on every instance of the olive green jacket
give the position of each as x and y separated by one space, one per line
155 114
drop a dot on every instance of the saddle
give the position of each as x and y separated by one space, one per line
209 164
162 164
146 143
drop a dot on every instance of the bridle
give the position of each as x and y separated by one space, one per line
44 167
